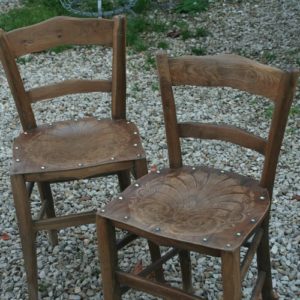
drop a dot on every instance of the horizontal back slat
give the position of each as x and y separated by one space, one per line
68 87
60 31
227 70
223 132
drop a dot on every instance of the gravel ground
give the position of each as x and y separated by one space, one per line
266 30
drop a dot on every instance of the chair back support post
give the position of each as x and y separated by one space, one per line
16 84
172 132
277 129
119 69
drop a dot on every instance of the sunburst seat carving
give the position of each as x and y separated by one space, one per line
201 206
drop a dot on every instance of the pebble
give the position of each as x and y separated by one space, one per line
267 31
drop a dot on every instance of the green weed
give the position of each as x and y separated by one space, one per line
201 32
269 112
162 45
154 87
141 6
150 62
268 56
295 110
24 60
198 51
25 16
136 26
191 6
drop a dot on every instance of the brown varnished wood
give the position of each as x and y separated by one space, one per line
222 132
201 207
70 149
119 69
156 289
84 173
60 222
68 87
231 275
250 253
227 70
48 202
16 84
186 271
256 295
277 129
170 118
157 239
108 259
109 142
27 233
60 31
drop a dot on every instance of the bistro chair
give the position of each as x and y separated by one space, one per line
71 149
199 208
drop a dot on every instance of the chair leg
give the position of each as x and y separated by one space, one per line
140 168
231 275
124 179
156 255
264 263
186 271
27 233
108 258
46 197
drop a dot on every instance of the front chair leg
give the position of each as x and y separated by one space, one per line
27 233
231 275
47 199
108 258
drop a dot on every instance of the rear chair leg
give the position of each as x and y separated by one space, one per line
46 197
140 168
27 233
186 271
124 179
264 263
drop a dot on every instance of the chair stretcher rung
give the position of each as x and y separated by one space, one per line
250 253
153 288
125 240
258 285
153 267
65 221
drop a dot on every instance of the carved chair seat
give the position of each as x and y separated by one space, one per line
199 206
69 145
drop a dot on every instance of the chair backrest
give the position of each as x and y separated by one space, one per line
238 73
65 31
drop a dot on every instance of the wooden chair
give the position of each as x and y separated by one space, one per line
197 208
71 149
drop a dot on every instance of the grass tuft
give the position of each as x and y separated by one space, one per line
192 6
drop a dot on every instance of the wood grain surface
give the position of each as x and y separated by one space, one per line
70 145
201 206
